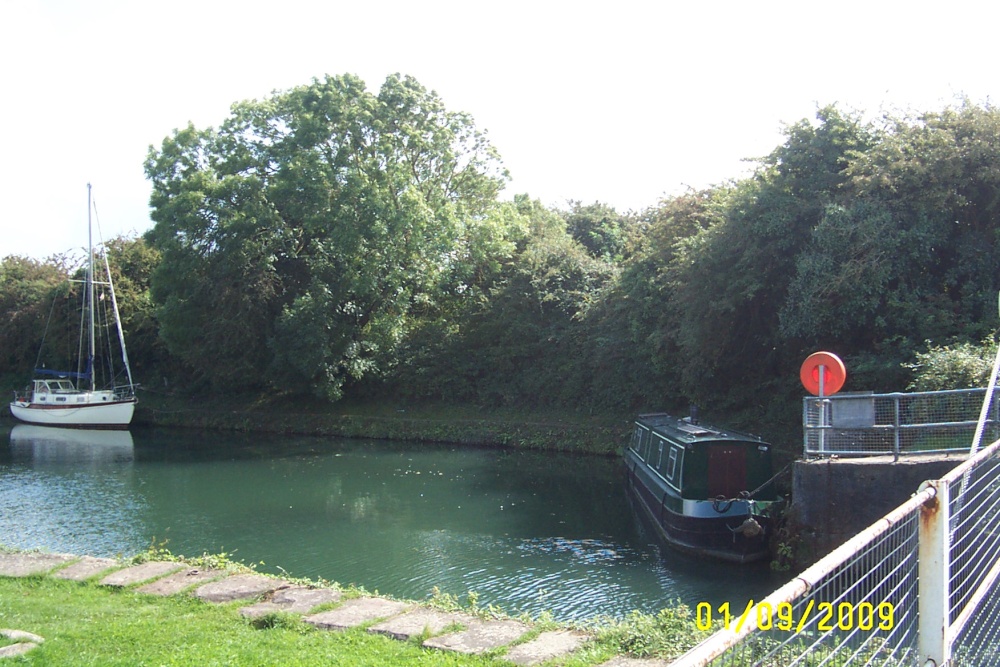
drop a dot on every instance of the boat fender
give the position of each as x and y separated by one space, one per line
750 528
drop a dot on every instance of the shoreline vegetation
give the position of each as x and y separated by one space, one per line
286 257
557 431
85 622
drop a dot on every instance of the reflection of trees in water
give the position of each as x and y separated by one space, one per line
560 490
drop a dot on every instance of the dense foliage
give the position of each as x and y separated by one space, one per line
301 237
334 241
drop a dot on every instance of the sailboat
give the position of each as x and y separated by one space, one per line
71 398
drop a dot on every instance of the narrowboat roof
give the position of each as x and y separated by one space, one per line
687 431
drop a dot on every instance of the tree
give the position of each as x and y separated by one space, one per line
519 340
31 291
728 282
300 239
600 229
132 262
938 176
911 253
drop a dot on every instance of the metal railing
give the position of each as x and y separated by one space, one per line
918 587
973 498
865 424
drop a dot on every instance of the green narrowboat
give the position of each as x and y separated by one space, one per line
707 490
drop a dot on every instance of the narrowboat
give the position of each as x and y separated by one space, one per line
707 491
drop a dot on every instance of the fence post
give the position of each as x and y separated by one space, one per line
895 428
933 566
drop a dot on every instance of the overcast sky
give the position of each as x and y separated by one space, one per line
620 102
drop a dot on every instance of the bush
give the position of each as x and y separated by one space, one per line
958 366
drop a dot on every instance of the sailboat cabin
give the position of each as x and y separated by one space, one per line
56 392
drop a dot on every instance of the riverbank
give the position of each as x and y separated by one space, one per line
89 611
564 431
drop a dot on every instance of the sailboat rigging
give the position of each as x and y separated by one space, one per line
53 398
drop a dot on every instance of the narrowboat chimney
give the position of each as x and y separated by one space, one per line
694 413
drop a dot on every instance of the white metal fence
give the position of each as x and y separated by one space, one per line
918 587
866 424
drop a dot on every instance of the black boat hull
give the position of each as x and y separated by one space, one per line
722 536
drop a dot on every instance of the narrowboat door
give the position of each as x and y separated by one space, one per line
727 470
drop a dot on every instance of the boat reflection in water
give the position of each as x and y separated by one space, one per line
71 491
46 444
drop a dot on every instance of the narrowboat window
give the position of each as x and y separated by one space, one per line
672 466
640 442
659 454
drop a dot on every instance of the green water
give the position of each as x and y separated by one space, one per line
526 531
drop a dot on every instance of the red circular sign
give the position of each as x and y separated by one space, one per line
834 373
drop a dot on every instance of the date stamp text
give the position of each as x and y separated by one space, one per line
845 616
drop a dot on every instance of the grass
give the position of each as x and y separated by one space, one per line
87 624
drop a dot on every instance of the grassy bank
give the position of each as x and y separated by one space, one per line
84 623
87 624
550 430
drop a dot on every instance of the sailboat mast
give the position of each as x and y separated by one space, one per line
90 288
118 321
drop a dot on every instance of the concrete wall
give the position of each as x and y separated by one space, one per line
834 499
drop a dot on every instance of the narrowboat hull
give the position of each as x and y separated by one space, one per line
695 527
708 491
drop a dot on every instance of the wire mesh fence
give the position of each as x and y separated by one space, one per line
866 424
977 644
858 605
974 601
920 583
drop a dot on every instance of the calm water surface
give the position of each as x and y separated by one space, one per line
524 530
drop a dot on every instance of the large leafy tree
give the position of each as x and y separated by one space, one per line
913 254
729 281
302 237
516 340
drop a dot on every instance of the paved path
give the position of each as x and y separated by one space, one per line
448 631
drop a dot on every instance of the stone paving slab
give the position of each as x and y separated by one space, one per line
238 587
85 568
546 646
355 612
25 565
138 574
295 600
20 636
26 642
622 661
479 637
418 621
399 620
17 649
180 580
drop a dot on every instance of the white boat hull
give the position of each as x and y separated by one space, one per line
88 415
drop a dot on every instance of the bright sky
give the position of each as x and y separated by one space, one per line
620 102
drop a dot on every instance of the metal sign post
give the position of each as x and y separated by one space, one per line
822 374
